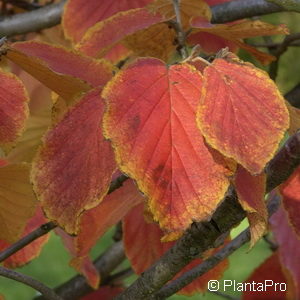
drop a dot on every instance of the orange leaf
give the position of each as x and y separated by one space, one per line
100 38
85 266
32 250
91 13
251 192
68 183
13 109
290 191
143 247
96 221
269 270
241 113
150 121
289 245
60 69
17 200
104 293
234 32
155 41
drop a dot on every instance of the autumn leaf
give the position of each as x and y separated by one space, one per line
251 192
288 250
150 121
104 293
100 38
242 113
17 201
85 266
143 247
60 69
13 109
236 31
294 118
73 168
92 13
290 191
270 270
32 250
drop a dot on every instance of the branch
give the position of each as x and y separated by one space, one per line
240 9
51 15
293 96
35 234
77 286
203 236
27 280
45 17
179 283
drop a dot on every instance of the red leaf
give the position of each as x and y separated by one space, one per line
289 245
79 15
85 266
31 251
60 69
68 183
290 191
104 35
270 271
150 121
13 109
104 293
143 247
251 193
241 113
96 221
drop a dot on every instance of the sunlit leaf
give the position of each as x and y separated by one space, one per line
150 120
143 247
242 113
88 14
74 166
32 250
17 201
251 192
13 109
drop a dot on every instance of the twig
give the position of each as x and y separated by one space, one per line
179 29
77 286
278 51
202 236
35 234
27 280
117 277
179 283
51 15
45 228
293 96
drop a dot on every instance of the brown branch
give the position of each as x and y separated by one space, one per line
203 236
29 238
77 286
48 293
179 283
